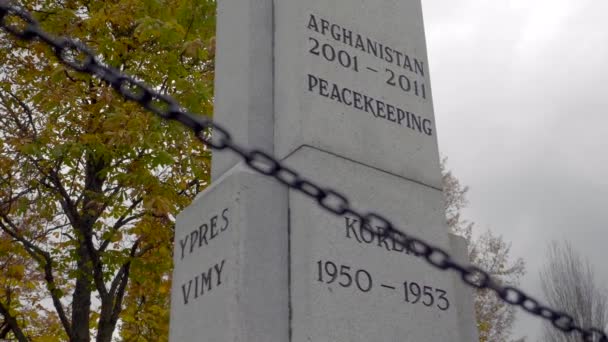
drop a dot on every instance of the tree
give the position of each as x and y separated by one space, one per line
569 285
89 183
489 252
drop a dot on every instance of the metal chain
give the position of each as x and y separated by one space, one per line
79 57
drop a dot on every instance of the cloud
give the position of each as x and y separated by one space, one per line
521 104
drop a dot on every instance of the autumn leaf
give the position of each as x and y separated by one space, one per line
88 182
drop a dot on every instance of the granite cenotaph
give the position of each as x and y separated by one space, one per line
339 90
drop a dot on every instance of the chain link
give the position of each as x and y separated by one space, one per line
79 57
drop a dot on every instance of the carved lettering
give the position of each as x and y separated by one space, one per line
185 292
365 44
350 228
333 273
204 283
377 108
206 232
182 244
225 218
373 236
193 239
203 228
214 231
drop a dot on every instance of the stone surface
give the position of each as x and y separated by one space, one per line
352 78
464 293
340 90
230 263
244 76
348 77
323 245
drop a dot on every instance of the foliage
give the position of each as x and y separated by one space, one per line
489 252
90 184
568 284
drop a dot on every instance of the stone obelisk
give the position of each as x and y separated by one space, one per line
339 90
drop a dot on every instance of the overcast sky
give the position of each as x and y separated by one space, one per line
521 103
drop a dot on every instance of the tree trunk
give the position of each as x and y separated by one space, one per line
105 328
81 304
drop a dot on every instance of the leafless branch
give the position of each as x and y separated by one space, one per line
569 284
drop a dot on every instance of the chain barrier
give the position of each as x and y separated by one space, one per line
80 58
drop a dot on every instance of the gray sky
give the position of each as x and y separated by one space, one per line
521 104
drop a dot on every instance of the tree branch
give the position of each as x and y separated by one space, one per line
111 306
124 280
27 110
12 324
66 202
4 329
14 115
124 268
122 220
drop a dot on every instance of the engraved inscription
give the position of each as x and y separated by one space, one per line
208 231
333 43
330 272
426 295
377 108
376 78
356 231
204 234
331 54
203 283
405 84
368 45
348 276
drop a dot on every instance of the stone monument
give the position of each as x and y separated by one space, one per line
339 90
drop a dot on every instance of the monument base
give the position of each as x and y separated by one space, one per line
257 262
350 285
230 280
